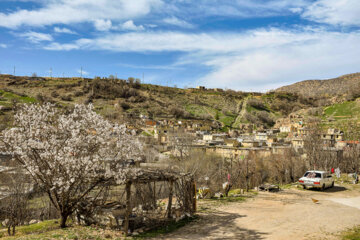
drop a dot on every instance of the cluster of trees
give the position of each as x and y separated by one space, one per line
245 172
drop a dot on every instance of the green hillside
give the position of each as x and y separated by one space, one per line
119 99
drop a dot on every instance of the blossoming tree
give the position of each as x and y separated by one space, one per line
69 154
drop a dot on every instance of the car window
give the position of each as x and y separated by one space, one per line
312 175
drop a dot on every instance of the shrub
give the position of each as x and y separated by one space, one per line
256 103
67 98
79 93
124 105
54 94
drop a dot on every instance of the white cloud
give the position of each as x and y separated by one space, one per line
83 72
102 25
257 59
77 11
36 37
63 30
338 12
3 45
178 22
237 8
129 25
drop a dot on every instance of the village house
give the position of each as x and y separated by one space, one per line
297 142
250 143
232 142
161 134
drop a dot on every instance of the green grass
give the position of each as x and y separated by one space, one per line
167 229
8 97
33 228
353 234
345 109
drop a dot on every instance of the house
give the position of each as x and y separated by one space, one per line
303 131
262 136
232 142
297 142
287 128
344 144
161 134
201 87
250 143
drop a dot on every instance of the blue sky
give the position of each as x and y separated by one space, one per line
237 44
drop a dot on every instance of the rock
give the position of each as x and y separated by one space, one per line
34 221
135 234
5 222
218 195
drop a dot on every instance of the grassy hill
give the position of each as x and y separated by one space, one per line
120 100
348 85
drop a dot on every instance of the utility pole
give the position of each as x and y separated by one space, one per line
63 74
50 72
143 81
81 73
14 70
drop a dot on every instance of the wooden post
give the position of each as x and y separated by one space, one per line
128 207
154 195
194 197
170 199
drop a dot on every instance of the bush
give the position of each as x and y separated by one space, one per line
265 118
79 93
256 103
54 94
125 106
67 98
177 112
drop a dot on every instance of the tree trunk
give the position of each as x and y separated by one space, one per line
128 207
13 232
64 217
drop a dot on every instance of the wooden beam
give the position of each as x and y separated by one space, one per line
194 196
128 207
170 199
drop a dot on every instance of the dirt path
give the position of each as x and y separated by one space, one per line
289 214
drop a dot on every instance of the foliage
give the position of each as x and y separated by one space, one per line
352 234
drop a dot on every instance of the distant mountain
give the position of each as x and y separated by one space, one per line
343 85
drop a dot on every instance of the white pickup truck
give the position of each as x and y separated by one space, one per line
317 179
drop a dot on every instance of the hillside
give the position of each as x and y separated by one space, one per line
348 85
122 100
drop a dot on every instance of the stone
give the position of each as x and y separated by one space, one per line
218 195
34 221
5 222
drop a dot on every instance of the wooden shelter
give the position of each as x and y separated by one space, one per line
146 176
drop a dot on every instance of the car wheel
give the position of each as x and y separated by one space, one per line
332 185
304 187
323 187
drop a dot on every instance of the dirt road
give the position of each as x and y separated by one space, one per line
289 214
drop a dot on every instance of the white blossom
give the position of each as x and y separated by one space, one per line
66 151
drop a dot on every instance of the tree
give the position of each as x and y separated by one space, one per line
14 207
70 153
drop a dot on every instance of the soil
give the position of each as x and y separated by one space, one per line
288 214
